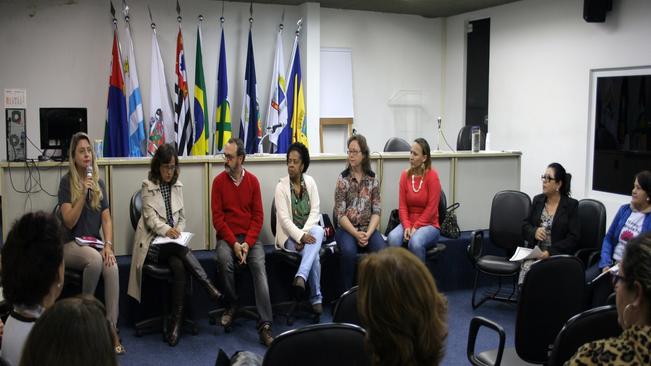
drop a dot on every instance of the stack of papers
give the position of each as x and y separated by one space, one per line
522 253
90 241
184 239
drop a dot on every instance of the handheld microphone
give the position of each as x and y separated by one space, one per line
438 120
89 174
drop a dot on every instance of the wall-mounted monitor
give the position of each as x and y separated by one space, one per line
59 124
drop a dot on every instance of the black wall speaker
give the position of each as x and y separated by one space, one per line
594 11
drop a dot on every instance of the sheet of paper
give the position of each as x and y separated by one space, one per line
522 253
614 269
183 239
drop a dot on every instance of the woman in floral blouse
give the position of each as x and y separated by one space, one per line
357 208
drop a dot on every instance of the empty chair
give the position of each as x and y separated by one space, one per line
508 210
588 326
319 345
463 139
592 215
395 144
346 308
552 293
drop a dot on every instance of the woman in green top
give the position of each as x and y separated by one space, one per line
297 221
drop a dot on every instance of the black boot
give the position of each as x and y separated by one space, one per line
178 296
194 267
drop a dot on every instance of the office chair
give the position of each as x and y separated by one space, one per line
592 216
396 144
588 326
552 293
463 139
508 210
294 261
158 272
345 310
319 345
72 277
434 252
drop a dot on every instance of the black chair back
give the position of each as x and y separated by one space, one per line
346 308
463 138
508 210
135 208
395 144
592 216
319 345
273 217
553 292
590 325
443 207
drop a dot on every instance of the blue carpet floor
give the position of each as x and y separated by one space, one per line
201 349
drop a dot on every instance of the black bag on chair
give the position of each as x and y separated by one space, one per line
450 226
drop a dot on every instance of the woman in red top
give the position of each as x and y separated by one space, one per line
420 190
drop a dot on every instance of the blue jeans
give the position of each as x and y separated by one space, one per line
310 267
423 239
349 248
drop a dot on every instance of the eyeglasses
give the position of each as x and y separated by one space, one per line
616 278
169 167
353 152
229 157
547 178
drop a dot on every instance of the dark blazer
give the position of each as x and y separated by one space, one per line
566 227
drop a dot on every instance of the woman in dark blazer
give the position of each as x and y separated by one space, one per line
553 223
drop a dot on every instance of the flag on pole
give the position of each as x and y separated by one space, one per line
116 129
250 131
182 119
296 128
161 125
222 106
277 108
201 131
296 99
134 99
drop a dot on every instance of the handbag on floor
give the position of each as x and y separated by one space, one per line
450 226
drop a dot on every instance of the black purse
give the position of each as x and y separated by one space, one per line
450 226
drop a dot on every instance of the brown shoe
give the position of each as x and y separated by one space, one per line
265 334
228 316
317 308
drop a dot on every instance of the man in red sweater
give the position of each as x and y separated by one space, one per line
237 216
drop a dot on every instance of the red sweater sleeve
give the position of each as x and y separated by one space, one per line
430 215
257 214
216 205
402 199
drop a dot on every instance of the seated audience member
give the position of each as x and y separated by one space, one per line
357 208
237 215
631 220
163 215
633 298
297 222
32 276
419 194
401 309
553 223
85 209
72 332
